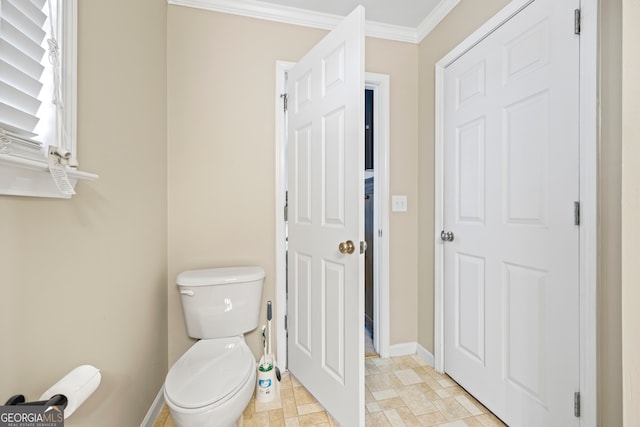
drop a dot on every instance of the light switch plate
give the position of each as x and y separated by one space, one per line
399 203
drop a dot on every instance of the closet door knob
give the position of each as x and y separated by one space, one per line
446 236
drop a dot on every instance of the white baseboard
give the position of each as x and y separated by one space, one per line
154 410
403 349
408 348
426 355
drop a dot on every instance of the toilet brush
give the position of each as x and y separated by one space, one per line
264 348
273 359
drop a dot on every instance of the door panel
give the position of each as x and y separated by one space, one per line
326 192
511 178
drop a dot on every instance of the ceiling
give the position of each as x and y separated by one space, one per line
402 20
405 13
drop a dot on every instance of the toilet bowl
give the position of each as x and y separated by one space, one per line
212 382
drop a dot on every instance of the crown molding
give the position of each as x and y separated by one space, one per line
434 18
292 15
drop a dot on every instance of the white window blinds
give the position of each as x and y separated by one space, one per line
21 52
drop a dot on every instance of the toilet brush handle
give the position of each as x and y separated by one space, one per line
269 316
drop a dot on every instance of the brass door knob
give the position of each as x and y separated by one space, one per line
346 247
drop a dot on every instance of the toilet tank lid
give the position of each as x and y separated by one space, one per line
219 276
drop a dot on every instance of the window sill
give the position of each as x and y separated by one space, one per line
23 177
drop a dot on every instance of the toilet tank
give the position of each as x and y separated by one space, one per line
220 302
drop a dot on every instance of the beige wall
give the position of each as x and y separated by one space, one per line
221 148
609 301
631 212
84 280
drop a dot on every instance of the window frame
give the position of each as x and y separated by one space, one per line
26 177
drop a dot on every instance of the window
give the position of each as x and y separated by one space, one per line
38 98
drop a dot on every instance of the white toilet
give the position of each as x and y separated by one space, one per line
212 383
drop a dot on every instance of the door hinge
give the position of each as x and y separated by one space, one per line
286 206
285 323
576 21
285 98
576 404
576 213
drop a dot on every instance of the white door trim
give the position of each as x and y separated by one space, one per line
588 196
380 84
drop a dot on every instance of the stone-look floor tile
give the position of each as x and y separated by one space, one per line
368 397
430 381
383 362
287 393
405 362
289 408
268 406
468 405
385 365
434 374
259 419
382 382
302 396
384 394
285 382
408 376
472 422
313 419
400 391
250 409
451 409
370 368
447 382
394 402
309 408
294 381
292 422
372 407
419 360
476 403
378 419
394 418
415 399
457 423
456 390
276 418
443 393
490 420
407 416
431 419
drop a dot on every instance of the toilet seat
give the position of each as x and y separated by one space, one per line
209 373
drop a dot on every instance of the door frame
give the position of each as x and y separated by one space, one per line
379 83
588 131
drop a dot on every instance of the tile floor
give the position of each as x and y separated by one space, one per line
400 391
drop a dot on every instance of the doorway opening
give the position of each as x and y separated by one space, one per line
378 84
369 219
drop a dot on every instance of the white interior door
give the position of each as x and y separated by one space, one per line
511 177
326 208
